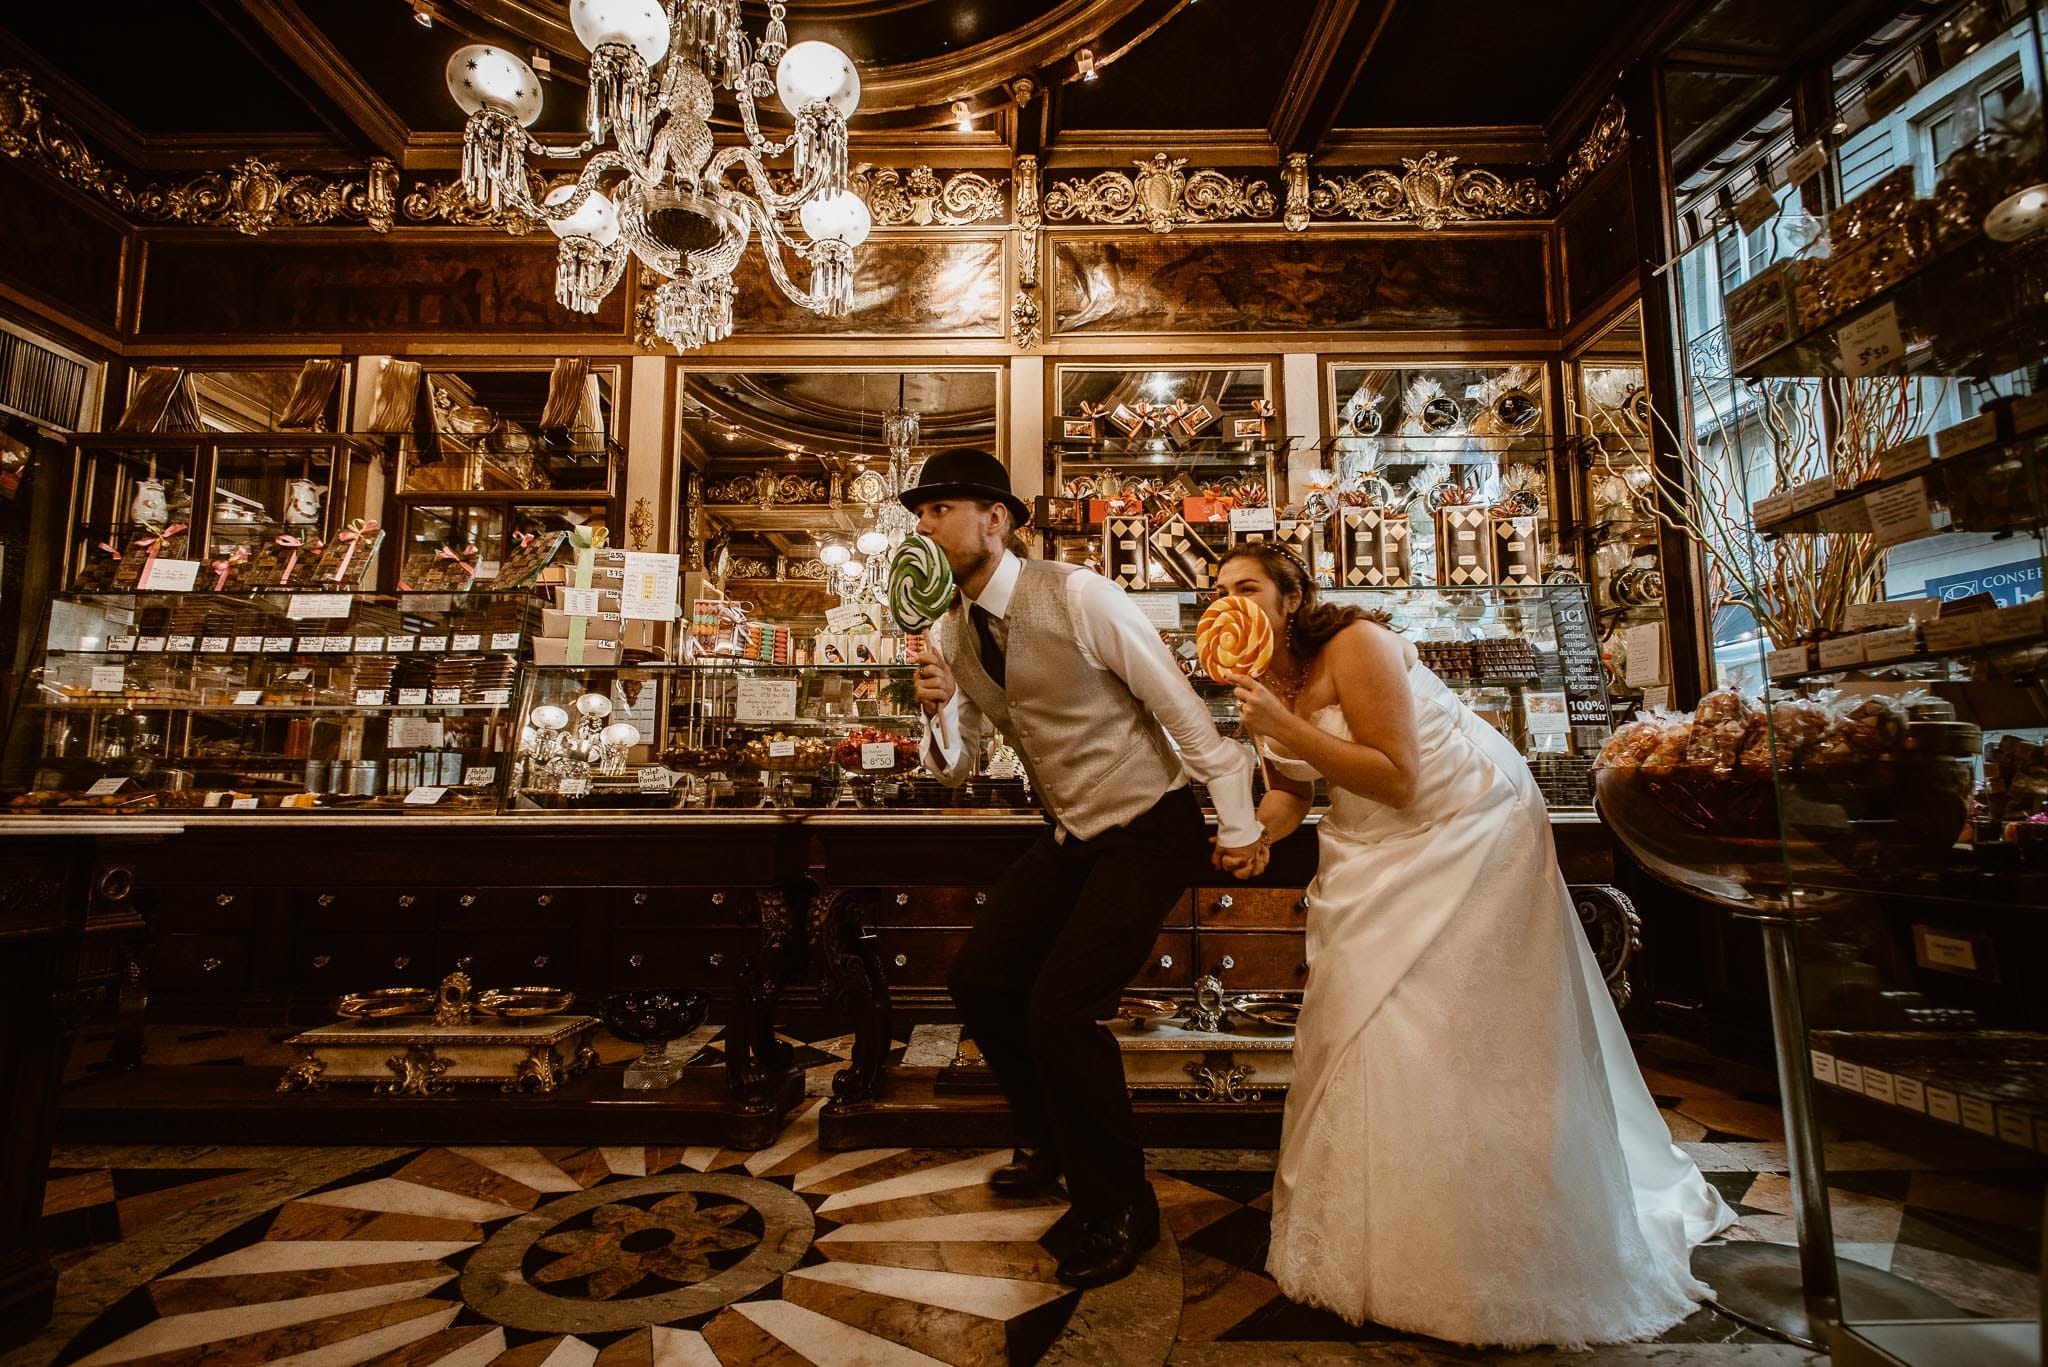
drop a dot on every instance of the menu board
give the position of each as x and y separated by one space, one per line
1578 652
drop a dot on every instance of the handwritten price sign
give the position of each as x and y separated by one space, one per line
1871 343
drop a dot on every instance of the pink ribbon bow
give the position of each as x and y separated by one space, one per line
525 539
111 549
358 532
458 557
155 545
292 544
226 564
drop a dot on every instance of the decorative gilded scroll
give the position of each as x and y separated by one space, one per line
1160 196
1429 192
1026 317
767 490
1607 136
922 198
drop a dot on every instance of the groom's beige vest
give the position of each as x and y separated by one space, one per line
1092 750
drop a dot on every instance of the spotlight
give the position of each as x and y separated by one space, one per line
1084 62
423 13
542 64
963 118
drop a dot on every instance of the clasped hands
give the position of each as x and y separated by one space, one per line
1241 861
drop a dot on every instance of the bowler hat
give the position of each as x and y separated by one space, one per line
966 473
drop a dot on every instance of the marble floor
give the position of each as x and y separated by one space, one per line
662 1257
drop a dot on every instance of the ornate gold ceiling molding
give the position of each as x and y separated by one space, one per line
924 198
1160 196
1602 143
1429 192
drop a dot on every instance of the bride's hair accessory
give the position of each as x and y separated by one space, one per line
1311 625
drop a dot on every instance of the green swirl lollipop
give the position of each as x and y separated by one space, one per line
920 583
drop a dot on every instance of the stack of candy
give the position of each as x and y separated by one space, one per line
767 642
1234 637
920 585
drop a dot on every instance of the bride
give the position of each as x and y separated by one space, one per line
1468 1150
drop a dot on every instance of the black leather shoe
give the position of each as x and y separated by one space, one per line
1112 1247
1034 1173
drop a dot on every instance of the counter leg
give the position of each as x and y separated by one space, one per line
757 1063
850 974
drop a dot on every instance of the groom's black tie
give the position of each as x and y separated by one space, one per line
985 639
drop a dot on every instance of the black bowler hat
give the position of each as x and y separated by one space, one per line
966 473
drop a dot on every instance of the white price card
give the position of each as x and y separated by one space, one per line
424 797
655 779
183 644
312 645
1906 457
412 697
1547 714
277 645
304 605
173 576
648 591
1804 164
244 804
467 640
154 644
433 643
1853 516
413 733
1791 660
339 645
369 645
580 602
400 645
574 787
1160 609
496 695
504 640
213 645
1772 508
370 697
1870 343
447 695
878 754
845 617
479 776
120 643
297 675
765 700
1756 208
1657 698
1251 520
781 749
248 697
248 645
1901 513
102 787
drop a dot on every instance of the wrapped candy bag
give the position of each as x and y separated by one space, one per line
1721 727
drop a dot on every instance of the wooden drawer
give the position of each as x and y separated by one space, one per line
1255 961
207 906
512 958
333 963
926 906
1172 962
359 908
1275 908
205 964
492 910
918 958
677 958
672 907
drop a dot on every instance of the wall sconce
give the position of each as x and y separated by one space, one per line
423 13
963 118
1084 62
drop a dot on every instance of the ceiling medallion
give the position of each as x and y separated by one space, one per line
655 187
1430 192
1159 196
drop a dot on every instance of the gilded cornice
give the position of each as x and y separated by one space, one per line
1430 191
1606 138
1160 197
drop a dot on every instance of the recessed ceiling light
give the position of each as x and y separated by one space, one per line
423 13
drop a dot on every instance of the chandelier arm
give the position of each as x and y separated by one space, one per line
772 242
535 147
761 187
519 192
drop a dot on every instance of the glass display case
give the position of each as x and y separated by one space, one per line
513 431
269 701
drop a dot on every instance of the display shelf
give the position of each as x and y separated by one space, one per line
1812 520
1924 657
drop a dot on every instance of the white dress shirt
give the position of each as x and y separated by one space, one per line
1111 634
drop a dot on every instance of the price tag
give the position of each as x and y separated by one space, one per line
504 640
845 617
648 588
1954 633
479 776
1772 508
1658 697
583 603
103 787
248 645
1160 609
297 675
1252 520
1891 643
123 643
109 678
154 644
878 754
1965 437
277 645
340 645
2030 411
447 695
765 700
1901 513
312 645
370 697
424 797
1756 208
428 643
305 605
496 695
184 644
213 645
369 645
173 576
399 645
468 640
1840 652
413 733
781 749
1871 342
574 787
1906 457
244 804
1547 714
1896 612
1853 516
248 697
412 697
655 779
1791 660
1804 164
1812 494
2015 623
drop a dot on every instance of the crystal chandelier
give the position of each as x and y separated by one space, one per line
900 433
659 191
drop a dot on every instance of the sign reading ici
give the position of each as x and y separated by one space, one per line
2011 584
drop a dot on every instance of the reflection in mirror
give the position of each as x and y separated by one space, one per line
505 430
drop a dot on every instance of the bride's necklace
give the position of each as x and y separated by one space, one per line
1289 689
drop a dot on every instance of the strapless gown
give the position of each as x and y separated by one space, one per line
1469 1151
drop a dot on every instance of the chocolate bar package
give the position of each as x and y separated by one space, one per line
1517 553
1373 549
1187 556
1464 545
1124 544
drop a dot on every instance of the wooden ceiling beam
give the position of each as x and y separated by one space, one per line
1341 36
310 55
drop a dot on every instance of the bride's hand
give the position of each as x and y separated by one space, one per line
1259 706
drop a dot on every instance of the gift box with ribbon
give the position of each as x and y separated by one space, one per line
1373 549
230 565
583 643
346 560
1059 514
1464 545
531 554
144 551
102 564
1124 543
1187 557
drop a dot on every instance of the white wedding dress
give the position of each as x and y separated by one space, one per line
1469 1151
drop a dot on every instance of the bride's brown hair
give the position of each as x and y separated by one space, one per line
1312 624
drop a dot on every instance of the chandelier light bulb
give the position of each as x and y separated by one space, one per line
549 718
842 217
484 77
872 542
811 73
594 705
834 554
623 734
638 24
854 571
597 218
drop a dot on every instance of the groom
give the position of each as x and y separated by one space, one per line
1075 678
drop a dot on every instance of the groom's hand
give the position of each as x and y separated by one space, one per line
935 686
1243 861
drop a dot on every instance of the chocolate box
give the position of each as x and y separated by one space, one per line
1517 552
1186 555
1464 546
1125 543
1373 549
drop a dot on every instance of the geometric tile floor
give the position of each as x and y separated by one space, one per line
665 1257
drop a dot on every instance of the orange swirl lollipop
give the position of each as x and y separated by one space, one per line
1234 637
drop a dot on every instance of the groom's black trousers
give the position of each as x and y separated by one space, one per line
1065 929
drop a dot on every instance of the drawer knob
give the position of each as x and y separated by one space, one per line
540 961
467 899
1225 902
635 960
717 899
715 960
902 899
1303 903
639 899
403 961
981 899
209 963
222 899
1166 961
116 883
322 960
546 899
406 899
325 899
1227 962
901 960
